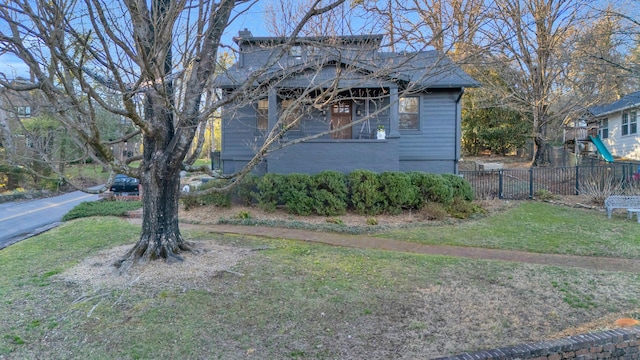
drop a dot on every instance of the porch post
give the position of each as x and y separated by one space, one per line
273 108
394 121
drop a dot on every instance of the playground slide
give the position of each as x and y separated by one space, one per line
602 148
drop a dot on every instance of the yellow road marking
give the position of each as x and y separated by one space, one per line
43 208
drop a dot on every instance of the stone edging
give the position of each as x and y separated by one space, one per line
623 343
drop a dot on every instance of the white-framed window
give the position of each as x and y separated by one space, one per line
296 51
629 122
409 113
604 128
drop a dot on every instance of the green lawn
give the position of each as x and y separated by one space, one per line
538 227
297 300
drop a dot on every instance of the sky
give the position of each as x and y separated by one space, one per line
252 19
251 16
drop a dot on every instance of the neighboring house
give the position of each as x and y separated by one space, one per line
422 130
617 125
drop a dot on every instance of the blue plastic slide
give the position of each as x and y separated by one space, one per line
602 148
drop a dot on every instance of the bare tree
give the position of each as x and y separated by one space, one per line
144 51
161 57
529 38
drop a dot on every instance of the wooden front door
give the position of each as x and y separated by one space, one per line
340 116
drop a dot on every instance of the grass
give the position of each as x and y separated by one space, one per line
300 300
102 208
90 171
537 227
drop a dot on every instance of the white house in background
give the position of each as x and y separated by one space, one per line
617 125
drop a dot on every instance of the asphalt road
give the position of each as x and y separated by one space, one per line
22 219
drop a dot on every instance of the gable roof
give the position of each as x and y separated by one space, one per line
425 69
626 102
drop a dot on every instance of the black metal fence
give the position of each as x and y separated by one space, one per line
525 183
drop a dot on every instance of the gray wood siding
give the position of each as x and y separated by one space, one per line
431 149
340 155
429 166
240 137
437 138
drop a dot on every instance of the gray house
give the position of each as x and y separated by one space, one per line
364 108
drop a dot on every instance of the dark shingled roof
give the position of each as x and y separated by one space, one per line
427 69
626 102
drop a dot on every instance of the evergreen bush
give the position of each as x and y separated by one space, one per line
268 191
246 190
461 187
398 191
364 189
431 188
329 193
296 194
221 199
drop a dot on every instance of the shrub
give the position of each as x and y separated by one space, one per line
246 190
398 191
101 208
462 209
461 187
329 193
268 191
244 214
431 188
221 199
433 211
335 220
597 187
372 221
295 194
545 195
364 188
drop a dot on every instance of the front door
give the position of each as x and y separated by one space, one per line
340 116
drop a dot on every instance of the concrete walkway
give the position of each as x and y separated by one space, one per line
372 242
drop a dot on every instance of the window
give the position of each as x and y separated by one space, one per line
296 52
292 115
409 114
629 122
262 115
604 129
23 111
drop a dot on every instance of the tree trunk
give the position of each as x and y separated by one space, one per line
160 236
539 149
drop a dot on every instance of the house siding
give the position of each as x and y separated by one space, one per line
431 149
339 155
434 147
627 146
240 138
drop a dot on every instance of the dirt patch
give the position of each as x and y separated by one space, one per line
207 261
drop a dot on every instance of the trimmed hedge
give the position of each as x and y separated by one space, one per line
331 193
364 190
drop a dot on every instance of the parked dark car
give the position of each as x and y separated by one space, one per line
125 185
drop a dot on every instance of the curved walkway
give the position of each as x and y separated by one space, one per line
371 242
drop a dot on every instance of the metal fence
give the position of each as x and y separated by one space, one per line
525 183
